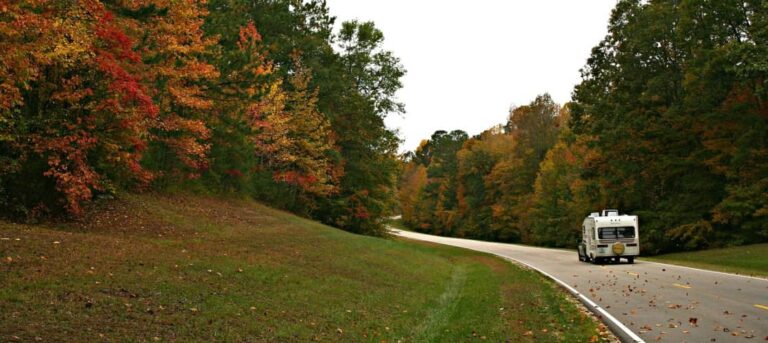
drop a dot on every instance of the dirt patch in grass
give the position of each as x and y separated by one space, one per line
496 264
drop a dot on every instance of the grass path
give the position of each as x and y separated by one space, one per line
438 316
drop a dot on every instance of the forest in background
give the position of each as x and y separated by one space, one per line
669 122
253 97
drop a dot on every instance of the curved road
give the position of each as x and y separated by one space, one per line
658 302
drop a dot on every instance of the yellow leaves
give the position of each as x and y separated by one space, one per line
412 181
293 136
189 96
196 70
73 39
273 102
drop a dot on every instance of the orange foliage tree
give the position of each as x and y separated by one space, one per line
87 87
71 86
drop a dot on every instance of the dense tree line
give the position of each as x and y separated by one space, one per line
258 97
670 122
482 186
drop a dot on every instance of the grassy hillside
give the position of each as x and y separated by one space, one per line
201 269
746 260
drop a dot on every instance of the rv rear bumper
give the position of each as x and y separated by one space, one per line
608 252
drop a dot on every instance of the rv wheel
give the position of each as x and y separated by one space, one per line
631 260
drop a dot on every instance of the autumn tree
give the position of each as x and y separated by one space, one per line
483 187
534 128
354 89
475 191
76 112
411 184
100 96
561 198
438 203
175 48
293 139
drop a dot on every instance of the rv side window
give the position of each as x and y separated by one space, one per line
616 232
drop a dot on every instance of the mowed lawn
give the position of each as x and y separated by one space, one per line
746 260
184 268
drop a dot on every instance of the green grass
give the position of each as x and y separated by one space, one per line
746 260
203 269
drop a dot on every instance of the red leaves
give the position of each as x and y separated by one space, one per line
111 89
125 86
87 66
69 166
234 173
361 213
295 178
248 36
119 48
358 207
115 39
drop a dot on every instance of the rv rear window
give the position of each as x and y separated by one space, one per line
616 232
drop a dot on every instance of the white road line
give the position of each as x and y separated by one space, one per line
705 270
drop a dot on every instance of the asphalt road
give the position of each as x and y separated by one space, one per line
658 302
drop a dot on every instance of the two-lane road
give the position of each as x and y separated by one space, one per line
658 302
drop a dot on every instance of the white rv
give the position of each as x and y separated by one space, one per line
608 237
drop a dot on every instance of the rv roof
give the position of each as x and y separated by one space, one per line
613 214
617 220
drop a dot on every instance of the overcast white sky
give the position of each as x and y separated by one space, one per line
469 61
